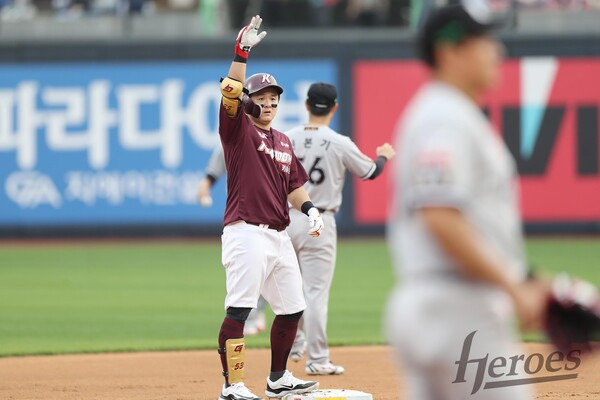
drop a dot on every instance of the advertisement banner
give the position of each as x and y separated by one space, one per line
122 143
546 109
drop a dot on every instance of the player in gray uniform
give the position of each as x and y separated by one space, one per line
257 321
214 170
455 230
326 155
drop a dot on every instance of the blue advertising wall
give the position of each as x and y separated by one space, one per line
110 138
122 143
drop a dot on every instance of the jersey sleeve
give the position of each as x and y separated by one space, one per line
355 161
230 127
440 171
298 175
216 164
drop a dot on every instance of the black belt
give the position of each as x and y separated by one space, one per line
278 228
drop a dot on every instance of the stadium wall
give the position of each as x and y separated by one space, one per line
110 139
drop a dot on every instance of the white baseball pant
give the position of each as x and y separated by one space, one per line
316 257
259 260
428 321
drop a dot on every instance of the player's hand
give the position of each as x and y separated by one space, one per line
531 299
386 150
249 37
315 222
204 197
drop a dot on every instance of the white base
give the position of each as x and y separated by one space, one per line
331 394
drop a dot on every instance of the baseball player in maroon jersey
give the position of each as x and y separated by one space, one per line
263 174
257 320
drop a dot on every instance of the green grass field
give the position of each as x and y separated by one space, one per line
164 295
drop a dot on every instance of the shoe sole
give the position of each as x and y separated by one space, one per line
229 398
322 373
294 391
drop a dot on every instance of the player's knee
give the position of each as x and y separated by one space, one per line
239 314
292 317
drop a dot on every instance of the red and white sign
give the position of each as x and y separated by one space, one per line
546 109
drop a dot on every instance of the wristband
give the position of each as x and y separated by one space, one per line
307 205
379 164
211 179
240 59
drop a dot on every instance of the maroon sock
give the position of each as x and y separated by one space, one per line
230 329
283 333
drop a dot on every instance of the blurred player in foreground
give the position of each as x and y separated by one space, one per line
263 175
257 321
455 231
326 155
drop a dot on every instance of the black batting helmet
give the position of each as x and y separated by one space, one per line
258 82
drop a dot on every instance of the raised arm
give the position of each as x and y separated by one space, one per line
384 153
233 85
362 166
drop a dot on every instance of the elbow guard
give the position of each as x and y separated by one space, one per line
232 91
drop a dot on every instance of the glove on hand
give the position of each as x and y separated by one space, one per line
573 316
315 222
249 37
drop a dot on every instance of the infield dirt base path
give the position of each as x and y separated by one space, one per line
196 375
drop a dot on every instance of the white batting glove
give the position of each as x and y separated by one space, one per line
315 222
249 37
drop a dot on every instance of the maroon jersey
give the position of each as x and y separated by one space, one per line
262 170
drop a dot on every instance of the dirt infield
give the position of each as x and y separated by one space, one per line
195 375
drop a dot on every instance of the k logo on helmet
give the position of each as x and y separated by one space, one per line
266 78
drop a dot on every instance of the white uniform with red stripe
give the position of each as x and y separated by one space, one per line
449 156
326 156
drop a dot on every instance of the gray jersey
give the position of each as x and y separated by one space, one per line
326 155
449 156
216 164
